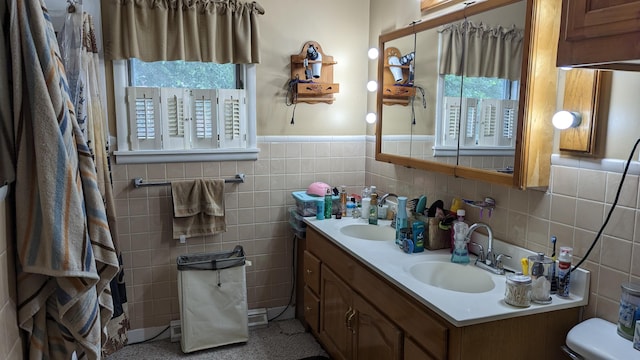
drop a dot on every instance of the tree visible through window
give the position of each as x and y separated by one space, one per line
183 74
478 87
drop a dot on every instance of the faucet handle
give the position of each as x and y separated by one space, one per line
480 252
499 260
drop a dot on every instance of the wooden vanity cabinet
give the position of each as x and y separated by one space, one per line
362 315
351 328
311 274
600 33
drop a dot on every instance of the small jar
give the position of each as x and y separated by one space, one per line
517 291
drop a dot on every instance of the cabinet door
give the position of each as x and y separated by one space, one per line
596 18
413 351
336 311
599 31
312 272
375 336
311 309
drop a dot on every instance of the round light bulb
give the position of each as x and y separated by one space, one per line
565 119
372 85
373 53
371 118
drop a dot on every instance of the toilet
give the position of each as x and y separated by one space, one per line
598 339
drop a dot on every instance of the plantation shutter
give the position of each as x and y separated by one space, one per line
232 119
508 123
144 118
204 131
175 115
489 114
470 125
451 121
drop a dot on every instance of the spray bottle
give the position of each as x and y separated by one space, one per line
401 218
564 270
328 204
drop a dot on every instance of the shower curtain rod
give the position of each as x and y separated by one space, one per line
138 182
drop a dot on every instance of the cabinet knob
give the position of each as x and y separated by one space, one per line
307 308
309 271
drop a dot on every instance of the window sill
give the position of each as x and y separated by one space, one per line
164 156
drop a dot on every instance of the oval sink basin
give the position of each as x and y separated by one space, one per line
369 232
454 277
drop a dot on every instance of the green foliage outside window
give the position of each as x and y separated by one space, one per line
476 87
182 74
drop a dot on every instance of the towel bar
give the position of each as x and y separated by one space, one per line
138 182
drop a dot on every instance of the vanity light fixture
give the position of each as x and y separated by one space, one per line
372 86
582 89
371 118
566 119
373 53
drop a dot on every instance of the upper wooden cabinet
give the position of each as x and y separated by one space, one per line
600 34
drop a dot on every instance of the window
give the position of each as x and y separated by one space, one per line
484 115
184 111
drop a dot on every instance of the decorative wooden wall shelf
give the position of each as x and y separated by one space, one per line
319 89
395 92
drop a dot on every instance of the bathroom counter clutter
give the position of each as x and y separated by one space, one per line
460 306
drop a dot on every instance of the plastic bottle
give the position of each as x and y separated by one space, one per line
401 218
343 201
373 209
564 270
364 203
320 209
351 205
459 253
328 204
460 213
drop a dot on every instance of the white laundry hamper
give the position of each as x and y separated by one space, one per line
212 292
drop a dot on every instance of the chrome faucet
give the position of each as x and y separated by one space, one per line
384 197
489 261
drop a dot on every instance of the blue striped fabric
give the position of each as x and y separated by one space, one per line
66 256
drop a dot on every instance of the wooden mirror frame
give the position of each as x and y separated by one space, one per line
534 137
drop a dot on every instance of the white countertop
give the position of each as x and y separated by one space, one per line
461 309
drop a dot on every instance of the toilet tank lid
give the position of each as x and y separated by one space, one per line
596 338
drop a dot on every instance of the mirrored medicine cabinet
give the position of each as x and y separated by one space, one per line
434 112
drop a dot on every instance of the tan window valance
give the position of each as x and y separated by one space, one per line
486 51
220 31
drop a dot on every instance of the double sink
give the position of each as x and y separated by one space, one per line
444 275
462 293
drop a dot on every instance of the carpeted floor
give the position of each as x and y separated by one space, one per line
279 340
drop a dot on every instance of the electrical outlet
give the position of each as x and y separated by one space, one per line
176 330
257 317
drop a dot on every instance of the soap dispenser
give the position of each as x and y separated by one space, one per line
460 253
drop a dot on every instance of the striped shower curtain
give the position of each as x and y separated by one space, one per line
66 258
